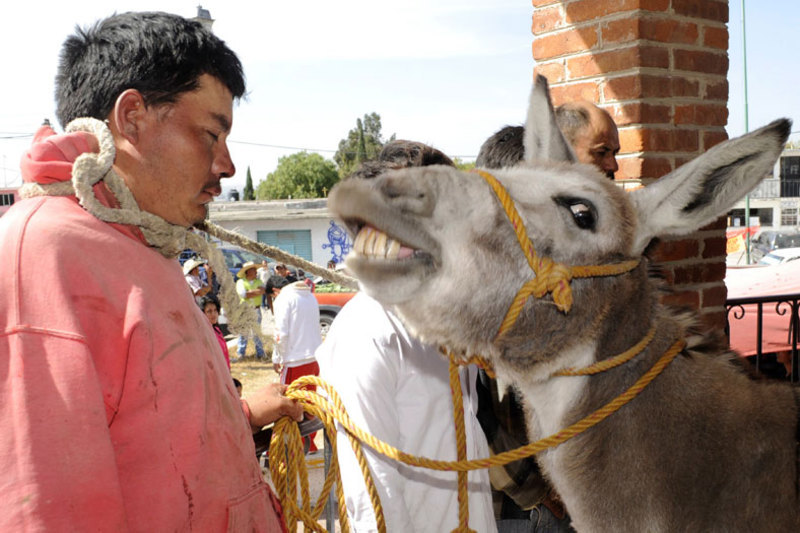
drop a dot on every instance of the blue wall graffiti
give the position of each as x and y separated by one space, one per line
338 242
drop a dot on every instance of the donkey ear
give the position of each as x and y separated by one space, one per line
707 187
543 140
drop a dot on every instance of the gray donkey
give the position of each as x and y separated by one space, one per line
702 447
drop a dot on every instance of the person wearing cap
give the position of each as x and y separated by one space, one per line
250 290
191 272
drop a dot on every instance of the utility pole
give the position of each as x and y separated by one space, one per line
746 129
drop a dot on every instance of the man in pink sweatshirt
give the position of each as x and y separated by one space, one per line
118 412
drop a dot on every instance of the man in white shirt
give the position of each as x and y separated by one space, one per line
398 389
297 333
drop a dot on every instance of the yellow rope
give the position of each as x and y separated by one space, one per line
330 408
550 277
612 362
461 446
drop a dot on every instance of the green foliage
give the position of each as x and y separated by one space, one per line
331 287
300 175
461 165
248 187
362 143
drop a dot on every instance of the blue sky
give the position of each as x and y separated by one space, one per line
446 72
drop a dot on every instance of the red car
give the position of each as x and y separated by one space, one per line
331 300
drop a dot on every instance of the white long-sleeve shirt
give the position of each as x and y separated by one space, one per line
397 389
297 333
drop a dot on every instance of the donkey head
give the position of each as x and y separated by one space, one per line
437 244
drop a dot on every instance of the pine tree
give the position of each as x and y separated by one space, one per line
249 194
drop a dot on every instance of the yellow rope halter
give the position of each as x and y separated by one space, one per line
550 277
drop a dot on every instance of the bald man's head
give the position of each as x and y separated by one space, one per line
592 134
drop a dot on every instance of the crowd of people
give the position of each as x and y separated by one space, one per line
125 367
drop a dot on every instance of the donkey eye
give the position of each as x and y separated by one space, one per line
583 215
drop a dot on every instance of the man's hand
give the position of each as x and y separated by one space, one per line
269 404
277 367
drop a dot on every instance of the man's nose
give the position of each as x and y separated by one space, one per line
223 164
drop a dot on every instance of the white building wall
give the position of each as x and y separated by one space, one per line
323 247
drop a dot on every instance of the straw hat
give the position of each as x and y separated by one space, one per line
245 267
191 264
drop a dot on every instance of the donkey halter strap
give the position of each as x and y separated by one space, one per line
550 277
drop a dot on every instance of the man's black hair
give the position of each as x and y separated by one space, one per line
209 299
276 281
159 54
503 149
401 154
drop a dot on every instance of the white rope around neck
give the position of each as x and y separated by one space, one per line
169 239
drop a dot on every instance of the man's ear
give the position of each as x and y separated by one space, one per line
128 115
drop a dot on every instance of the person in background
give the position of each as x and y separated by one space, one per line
281 270
210 307
398 389
263 274
250 290
122 366
191 272
588 129
297 333
238 386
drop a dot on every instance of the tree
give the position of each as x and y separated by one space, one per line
300 175
248 187
362 143
461 165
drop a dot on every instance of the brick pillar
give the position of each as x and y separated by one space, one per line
659 67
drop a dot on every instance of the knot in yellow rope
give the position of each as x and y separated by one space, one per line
550 277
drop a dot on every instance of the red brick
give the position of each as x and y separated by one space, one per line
714 296
588 90
705 9
676 250
713 138
701 114
686 140
666 30
620 31
716 38
714 247
701 61
584 10
564 42
548 19
640 113
618 60
717 90
682 299
553 70
540 3
699 273
650 86
682 87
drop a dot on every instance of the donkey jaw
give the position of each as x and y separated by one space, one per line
389 270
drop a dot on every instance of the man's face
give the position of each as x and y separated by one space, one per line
183 153
282 271
598 144
250 273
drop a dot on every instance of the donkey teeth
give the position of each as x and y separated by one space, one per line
393 250
361 239
379 247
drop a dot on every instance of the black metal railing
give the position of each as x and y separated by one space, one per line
770 363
